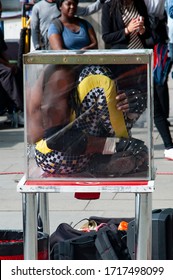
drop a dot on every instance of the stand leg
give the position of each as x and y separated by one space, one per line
143 226
30 226
43 211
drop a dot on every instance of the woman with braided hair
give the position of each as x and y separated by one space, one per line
71 32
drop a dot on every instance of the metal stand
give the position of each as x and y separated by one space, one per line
143 223
30 226
43 211
143 226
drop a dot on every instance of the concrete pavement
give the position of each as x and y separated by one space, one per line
63 207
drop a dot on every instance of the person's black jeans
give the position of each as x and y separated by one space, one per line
161 113
10 83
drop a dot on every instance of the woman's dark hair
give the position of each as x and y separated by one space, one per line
117 4
59 3
114 5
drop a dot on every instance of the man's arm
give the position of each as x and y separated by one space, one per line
35 27
35 130
155 7
91 9
4 59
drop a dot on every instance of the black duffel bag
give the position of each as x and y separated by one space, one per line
108 243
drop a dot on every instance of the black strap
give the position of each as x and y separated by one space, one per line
104 246
64 251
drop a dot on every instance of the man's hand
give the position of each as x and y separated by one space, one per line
122 102
132 101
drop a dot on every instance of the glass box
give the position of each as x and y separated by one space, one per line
88 117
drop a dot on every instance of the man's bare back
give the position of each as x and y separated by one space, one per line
48 103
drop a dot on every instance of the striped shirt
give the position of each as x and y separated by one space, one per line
128 14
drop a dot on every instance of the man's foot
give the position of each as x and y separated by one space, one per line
169 154
119 164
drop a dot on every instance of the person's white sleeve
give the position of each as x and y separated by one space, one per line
170 29
35 28
89 10
155 7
